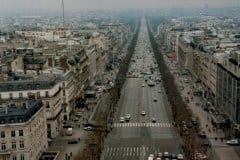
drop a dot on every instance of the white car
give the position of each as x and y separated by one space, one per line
233 142
122 119
166 155
143 85
151 157
179 156
143 113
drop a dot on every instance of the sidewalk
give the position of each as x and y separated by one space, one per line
220 150
61 142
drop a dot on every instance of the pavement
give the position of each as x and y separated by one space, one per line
61 142
219 149
69 151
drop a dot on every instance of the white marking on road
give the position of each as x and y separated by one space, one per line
128 125
118 150
155 152
127 151
110 152
114 151
161 124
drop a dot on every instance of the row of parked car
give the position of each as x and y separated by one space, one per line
165 156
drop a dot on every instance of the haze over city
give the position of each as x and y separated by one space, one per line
12 5
119 79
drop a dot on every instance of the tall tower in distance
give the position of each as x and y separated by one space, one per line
206 7
63 25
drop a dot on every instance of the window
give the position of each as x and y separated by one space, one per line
38 86
20 132
14 146
20 95
21 144
12 120
20 87
22 157
2 121
3 146
14 157
38 95
10 96
2 134
47 94
13 133
47 104
29 86
20 120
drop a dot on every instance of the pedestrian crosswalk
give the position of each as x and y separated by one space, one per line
130 151
126 125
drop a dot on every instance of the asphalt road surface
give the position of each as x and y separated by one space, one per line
136 139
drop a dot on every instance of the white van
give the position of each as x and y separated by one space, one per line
186 80
151 157
69 131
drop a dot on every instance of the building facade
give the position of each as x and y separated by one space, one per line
55 89
228 87
23 130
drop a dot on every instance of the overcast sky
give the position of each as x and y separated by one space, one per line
9 5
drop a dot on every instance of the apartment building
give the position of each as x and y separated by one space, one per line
47 35
228 87
23 130
79 65
185 52
50 86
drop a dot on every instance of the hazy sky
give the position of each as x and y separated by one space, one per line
10 5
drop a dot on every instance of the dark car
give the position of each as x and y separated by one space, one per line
73 141
173 156
153 120
202 134
67 126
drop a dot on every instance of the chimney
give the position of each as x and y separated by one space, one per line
26 105
6 109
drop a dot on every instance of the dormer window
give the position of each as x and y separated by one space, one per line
20 87
20 120
29 86
10 87
2 121
12 120
37 86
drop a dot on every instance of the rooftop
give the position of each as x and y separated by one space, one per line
46 80
19 112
